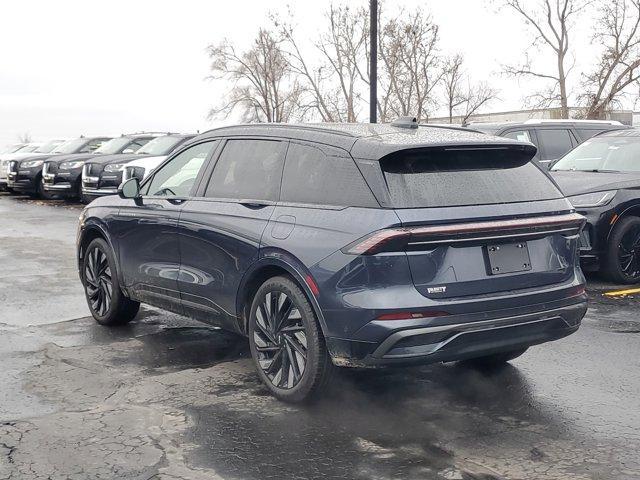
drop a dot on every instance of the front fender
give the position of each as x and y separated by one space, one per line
90 225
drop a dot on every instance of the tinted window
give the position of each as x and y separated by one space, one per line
176 178
136 145
310 176
72 146
555 143
160 145
115 145
93 144
587 133
520 135
248 169
603 154
49 146
439 178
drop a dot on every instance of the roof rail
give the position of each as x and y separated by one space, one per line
147 133
405 122
570 120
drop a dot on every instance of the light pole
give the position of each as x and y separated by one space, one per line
373 59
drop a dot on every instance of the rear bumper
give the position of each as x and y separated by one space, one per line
461 337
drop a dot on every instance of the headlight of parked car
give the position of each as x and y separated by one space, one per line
597 199
114 167
31 164
71 165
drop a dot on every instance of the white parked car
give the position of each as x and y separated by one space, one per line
142 167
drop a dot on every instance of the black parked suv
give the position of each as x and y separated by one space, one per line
343 244
25 175
601 178
553 138
62 175
102 176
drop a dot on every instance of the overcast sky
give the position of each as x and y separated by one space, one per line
77 67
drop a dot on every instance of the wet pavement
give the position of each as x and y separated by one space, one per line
168 397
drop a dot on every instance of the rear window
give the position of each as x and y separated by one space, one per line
312 177
457 177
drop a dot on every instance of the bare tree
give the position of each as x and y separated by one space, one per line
25 138
452 82
262 84
334 85
551 21
618 31
409 53
462 96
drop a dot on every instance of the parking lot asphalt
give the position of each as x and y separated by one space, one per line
167 397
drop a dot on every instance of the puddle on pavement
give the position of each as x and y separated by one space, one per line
374 424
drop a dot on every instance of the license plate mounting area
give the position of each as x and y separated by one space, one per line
507 258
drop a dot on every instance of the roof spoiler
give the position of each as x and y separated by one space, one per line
405 122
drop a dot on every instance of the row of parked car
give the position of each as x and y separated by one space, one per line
87 167
354 245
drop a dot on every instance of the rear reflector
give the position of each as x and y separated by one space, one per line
398 239
410 315
313 286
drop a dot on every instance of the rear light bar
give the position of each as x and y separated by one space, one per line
398 239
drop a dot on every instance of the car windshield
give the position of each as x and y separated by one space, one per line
603 154
27 149
49 146
72 146
115 145
159 146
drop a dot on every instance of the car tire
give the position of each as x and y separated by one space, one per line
106 301
496 359
41 192
623 248
286 341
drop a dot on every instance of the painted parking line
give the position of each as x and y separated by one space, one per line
616 293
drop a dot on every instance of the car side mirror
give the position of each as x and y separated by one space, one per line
130 189
128 150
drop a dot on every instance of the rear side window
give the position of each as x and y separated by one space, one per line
555 142
312 177
457 177
520 135
248 169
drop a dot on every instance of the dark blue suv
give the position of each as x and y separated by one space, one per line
343 245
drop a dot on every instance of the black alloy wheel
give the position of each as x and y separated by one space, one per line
106 301
97 275
629 253
622 259
287 344
281 340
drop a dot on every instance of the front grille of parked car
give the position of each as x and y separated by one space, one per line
92 169
50 168
13 166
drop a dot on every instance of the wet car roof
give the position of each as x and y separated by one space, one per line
370 141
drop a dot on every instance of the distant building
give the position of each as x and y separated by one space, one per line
626 117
